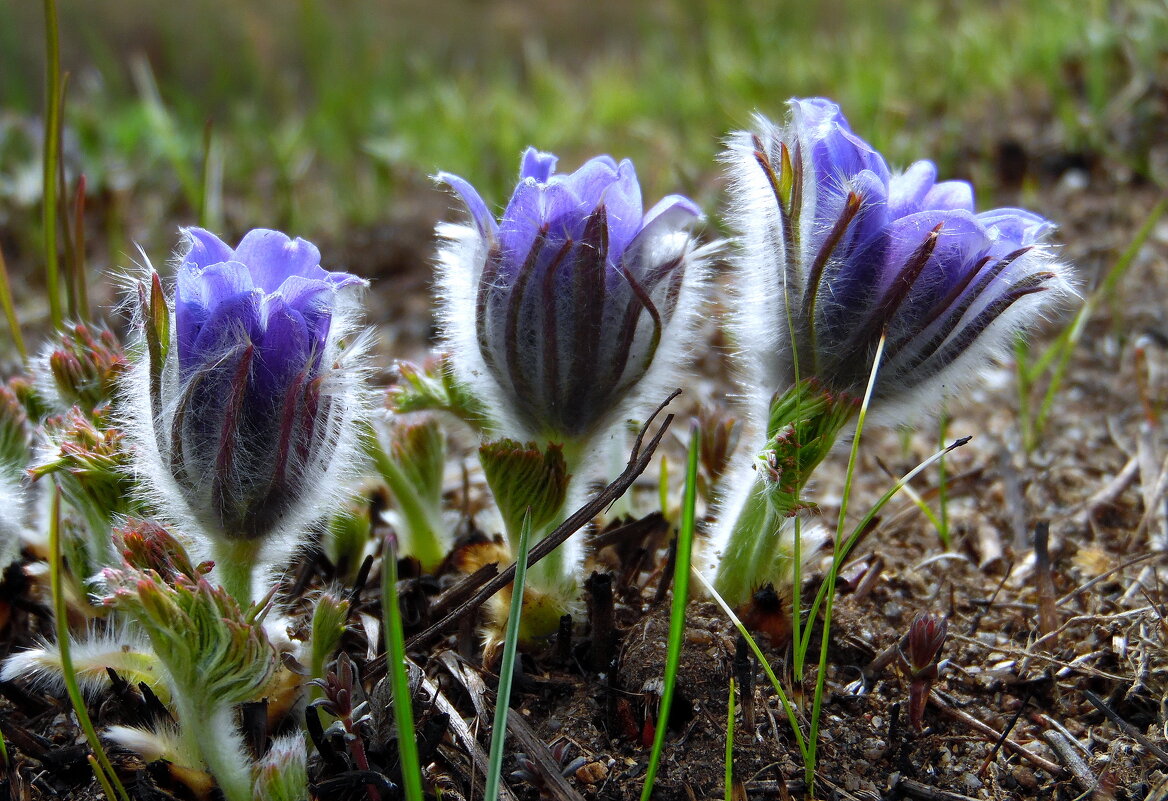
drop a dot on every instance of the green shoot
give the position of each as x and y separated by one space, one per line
1056 358
10 309
507 666
60 615
395 647
80 276
426 531
788 707
102 779
52 144
729 795
833 573
942 524
663 487
685 535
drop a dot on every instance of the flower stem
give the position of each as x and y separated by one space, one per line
210 729
235 562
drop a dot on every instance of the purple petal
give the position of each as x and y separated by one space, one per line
520 224
537 165
836 152
592 180
232 323
271 257
205 248
1015 226
907 191
671 213
960 242
285 348
954 195
483 219
622 201
198 292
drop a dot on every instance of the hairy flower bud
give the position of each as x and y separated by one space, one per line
85 365
570 310
243 411
836 250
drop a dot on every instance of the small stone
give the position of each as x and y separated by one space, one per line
1025 777
592 773
971 782
873 748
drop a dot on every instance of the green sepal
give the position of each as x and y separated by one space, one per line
803 426
14 432
523 477
434 388
157 325
420 451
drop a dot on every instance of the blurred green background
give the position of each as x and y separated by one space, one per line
326 117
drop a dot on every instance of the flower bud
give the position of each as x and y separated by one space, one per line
571 309
80 367
835 251
243 408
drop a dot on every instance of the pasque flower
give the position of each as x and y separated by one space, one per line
836 250
244 408
570 309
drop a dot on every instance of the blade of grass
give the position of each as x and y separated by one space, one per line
663 486
60 615
507 666
729 795
833 573
10 309
788 707
685 534
1057 357
942 523
80 276
403 704
102 779
52 141
842 554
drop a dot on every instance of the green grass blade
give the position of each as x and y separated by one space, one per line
788 707
60 615
102 779
403 705
507 666
10 309
730 743
833 573
1057 357
843 553
685 534
942 522
52 144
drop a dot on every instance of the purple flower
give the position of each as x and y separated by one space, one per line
560 309
836 250
251 394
